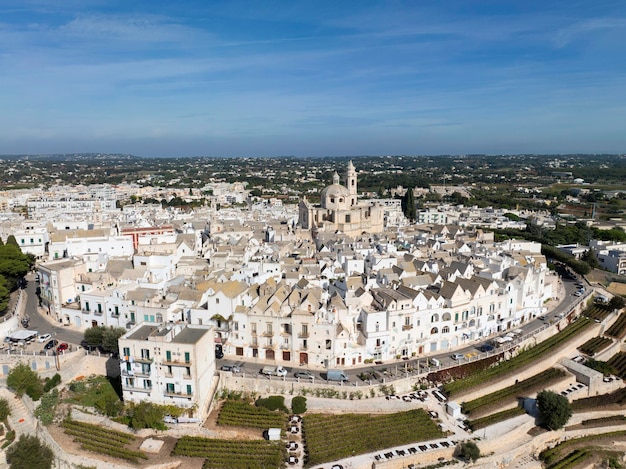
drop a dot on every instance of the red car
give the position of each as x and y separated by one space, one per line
62 347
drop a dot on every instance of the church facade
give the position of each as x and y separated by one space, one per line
340 210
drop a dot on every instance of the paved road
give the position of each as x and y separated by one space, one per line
46 325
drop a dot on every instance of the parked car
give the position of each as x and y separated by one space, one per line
485 347
62 347
91 348
303 375
233 368
44 338
53 343
457 356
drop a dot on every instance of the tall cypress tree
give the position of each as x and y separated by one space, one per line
408 204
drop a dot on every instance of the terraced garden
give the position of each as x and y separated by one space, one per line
231 454
332 437
618 362
524 358
509 394
595 345
495 418
243 414
597 311
615 399
102 440
618 328
573 452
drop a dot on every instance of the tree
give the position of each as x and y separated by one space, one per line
13 265
298 405
110 339
21 379
554 409
468 451
617 302
11 241
590 258
5 409
29 453
5 295
408 204
94 336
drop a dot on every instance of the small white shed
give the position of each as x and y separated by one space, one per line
453 409
273 434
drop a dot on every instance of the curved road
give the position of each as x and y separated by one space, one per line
46 325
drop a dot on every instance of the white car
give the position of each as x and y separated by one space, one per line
44 338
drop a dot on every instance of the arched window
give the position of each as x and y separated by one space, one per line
473 310
434 330
445 329
159 317
434 318
446 317
491 317
472 323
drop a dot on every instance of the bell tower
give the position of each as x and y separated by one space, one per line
351 182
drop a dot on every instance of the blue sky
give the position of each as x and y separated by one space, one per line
312 78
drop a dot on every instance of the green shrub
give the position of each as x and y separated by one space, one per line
52 382
9 438
46 410
146 415
298 405
272 403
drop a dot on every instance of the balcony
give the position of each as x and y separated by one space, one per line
268 334
407 327
303 335
186 376
136 389
172 362
177 394
143 359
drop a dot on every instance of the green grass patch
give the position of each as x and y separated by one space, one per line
244 414
332 437
96 392
524 358
231 454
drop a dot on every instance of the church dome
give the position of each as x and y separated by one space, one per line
334 196
334 190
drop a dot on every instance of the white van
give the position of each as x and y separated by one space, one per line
434 362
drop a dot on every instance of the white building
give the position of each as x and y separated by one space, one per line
168 364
